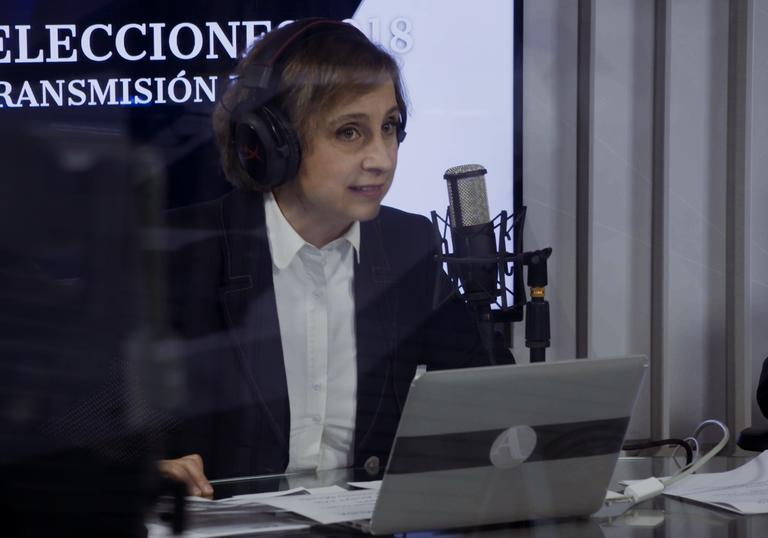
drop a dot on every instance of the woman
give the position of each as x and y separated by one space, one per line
303 305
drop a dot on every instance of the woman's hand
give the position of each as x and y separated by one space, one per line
188 470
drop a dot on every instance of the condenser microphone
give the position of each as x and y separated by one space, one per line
472 234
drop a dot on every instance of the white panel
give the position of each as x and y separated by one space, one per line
695 350
549 159
759 187
457 62
621 204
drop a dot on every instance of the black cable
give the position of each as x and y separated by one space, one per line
663 442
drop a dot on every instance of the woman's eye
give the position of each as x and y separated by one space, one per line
389 127
348 133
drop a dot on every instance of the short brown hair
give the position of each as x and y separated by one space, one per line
321 70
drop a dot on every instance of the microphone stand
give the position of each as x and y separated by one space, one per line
537 308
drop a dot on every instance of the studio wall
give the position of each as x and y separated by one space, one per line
621 186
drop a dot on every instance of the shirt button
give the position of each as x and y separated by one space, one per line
371 465
316 419
316 387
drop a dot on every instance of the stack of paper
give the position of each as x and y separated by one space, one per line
243 514
743 490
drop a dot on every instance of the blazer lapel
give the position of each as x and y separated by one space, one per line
375 312
248 299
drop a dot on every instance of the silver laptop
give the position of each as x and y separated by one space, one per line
507 443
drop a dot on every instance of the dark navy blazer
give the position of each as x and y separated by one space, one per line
221 305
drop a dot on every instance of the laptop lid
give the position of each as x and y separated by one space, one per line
507 443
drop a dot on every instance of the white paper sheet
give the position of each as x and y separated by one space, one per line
266 495
743 490
257 498
370 484
158 530
330 507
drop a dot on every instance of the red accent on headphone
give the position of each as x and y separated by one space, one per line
252 153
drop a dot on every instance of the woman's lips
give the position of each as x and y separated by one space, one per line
368 191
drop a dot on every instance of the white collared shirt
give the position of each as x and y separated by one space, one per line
316 312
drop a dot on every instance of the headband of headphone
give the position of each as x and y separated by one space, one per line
266 143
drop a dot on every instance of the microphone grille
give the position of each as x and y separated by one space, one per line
467 196
465 170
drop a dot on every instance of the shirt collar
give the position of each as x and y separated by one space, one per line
285 242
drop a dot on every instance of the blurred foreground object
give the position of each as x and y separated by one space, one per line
76 309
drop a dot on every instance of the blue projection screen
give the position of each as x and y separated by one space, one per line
458 64
153 70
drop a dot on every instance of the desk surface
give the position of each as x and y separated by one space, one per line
657 518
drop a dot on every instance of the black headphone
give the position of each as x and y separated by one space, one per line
266 143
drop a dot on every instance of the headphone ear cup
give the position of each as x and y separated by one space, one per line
267 146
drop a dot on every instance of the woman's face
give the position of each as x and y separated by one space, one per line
346 168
